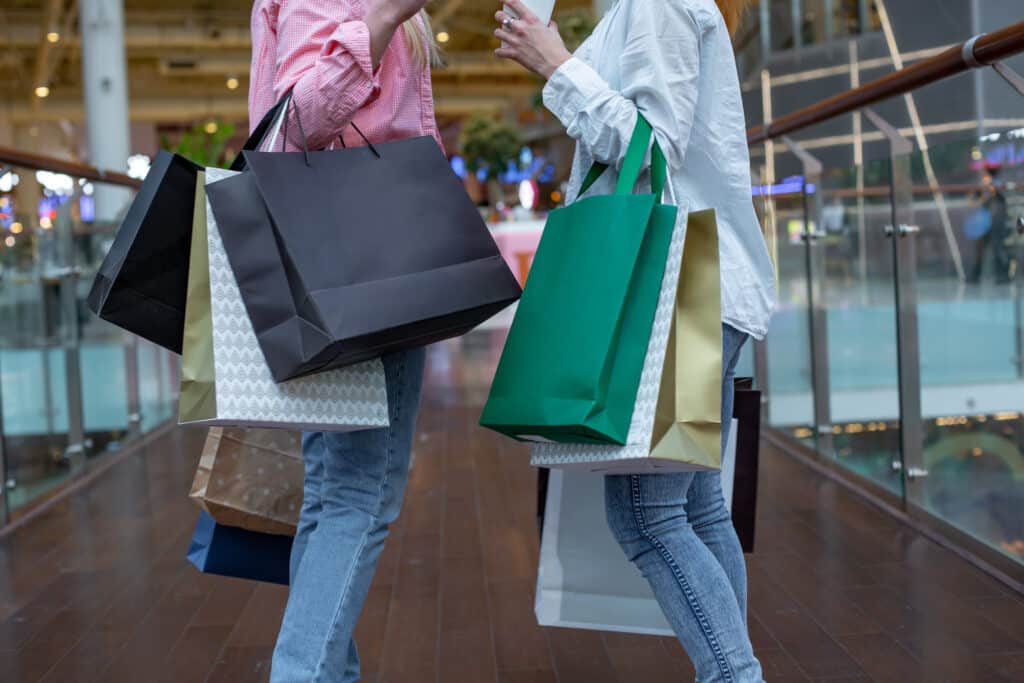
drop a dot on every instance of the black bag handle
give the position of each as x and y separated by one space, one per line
259 134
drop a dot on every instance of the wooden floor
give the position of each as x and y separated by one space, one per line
97 588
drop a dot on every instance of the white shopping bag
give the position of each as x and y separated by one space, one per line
584 579
245 394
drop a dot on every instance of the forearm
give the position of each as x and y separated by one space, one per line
382 22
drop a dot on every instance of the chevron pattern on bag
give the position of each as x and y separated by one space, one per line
346 399
641 427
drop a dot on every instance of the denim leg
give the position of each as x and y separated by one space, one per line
313 456
676 529
705 504
647 515
363 481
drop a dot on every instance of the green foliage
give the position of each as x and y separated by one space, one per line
205 149
489 143
576 25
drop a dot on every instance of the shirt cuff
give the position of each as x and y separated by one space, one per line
570 87
353 38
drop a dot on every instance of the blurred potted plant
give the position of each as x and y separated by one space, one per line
488 144
576 25
204 143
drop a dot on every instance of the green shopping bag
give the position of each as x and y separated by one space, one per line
572 362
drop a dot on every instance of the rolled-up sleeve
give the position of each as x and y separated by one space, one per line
660 67
323 58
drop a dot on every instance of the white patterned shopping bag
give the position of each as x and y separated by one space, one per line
242 391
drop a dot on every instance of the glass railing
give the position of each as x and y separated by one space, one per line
73 387
913 266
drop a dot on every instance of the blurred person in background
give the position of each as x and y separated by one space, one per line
673 62
365 62
992 200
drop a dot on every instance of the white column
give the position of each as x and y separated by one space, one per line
105 86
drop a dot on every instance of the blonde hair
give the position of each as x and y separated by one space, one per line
420 37
733 11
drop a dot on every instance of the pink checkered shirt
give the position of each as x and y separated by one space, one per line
320 50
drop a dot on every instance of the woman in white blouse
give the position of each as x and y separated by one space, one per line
672 61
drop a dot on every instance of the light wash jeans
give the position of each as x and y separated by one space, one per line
354 487
676 529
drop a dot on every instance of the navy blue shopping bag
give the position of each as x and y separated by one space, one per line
242 554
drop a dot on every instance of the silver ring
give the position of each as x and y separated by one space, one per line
507 24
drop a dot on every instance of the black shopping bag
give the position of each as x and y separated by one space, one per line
141 284
347 254
239 553
747 411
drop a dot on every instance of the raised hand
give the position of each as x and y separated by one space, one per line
537 47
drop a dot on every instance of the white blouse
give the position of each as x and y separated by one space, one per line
673 60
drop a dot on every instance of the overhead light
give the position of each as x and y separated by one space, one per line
138 167
210 127
53 36
9 241
8 181
443 37
42 91
16 227
232 83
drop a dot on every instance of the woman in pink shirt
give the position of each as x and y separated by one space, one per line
365 62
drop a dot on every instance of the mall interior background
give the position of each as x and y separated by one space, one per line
75 390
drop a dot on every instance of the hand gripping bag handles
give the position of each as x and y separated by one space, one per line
141 284
344 255
571 366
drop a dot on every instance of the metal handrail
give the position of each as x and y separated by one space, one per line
41 162
980 51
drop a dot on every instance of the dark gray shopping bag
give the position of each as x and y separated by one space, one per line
142 282
344 255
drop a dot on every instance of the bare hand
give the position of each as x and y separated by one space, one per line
537 47
383 17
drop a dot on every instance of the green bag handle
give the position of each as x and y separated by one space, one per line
633 162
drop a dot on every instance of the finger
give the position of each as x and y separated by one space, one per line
524 12
507 53
507 37
500 16
553 26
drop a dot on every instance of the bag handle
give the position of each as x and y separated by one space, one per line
275 123
633 163
260 132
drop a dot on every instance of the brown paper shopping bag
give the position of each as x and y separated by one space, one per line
251 478
688 417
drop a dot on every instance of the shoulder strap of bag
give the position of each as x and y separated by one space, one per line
633 163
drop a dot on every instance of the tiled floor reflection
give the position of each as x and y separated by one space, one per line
97 588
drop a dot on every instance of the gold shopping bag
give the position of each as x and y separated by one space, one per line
688 418
251 479
198 397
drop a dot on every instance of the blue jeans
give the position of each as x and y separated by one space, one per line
676 529
353 491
